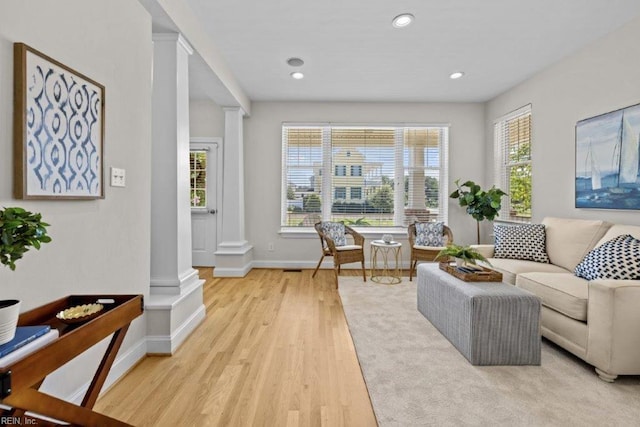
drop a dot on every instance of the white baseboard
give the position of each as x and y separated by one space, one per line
120 366
232 272
312 265
291 264
167 344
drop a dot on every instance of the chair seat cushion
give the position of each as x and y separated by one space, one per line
562 292
348 248
429 248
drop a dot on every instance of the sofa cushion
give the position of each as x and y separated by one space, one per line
511 267
619 229
429 233
562 292
618 259
523 241
569 240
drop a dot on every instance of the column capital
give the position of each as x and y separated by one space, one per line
233 110
173 37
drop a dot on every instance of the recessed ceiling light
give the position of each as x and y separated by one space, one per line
295 62
402 20
456 75
297 75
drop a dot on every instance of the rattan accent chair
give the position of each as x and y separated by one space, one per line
341 254
425 253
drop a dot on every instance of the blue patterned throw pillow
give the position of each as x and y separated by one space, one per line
335 231
429 233
619 259
526 242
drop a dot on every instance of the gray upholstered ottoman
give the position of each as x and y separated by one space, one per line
490 323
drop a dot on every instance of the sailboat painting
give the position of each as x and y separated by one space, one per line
608 160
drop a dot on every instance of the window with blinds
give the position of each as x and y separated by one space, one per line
376 176
198 178
512 138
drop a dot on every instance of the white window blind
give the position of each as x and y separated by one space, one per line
302 182
512 148
426 176
378 176
372 151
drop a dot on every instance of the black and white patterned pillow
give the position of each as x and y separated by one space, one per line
618 258
527 242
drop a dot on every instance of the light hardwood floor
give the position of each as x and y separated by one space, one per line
274 350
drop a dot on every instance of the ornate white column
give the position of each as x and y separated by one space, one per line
174 307
234 254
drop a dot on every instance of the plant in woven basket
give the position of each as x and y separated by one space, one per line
20 230
465 253
480 204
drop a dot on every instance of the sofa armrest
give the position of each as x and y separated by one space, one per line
484 250
613 319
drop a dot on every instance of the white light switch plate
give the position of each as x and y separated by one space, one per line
117 177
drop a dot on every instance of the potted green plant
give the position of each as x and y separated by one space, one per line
462 254
480 204
20 230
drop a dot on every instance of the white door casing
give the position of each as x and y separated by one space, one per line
205 221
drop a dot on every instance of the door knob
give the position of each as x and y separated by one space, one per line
213 211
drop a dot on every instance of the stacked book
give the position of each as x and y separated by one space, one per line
27 340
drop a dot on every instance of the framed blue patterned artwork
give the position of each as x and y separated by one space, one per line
58 130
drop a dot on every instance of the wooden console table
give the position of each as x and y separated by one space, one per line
20 381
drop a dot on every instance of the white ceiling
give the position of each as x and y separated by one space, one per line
352 53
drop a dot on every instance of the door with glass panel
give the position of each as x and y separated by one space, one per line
203 158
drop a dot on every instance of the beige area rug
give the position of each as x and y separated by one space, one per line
416 377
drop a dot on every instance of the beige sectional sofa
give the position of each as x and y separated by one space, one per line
597 320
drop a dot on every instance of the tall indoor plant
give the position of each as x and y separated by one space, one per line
480 204
20 230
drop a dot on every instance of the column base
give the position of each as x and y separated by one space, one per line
233 259
172 318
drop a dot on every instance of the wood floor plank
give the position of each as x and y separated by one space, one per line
274 350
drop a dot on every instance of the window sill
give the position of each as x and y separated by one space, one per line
367 232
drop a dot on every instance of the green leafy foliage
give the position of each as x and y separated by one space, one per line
480 204
466 253
360 221
383 198
311 203
19 231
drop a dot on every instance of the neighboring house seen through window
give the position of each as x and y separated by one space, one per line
378 176
356 193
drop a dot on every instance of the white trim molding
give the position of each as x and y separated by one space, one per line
168 344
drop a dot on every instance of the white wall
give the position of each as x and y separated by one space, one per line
263 152
99 246
206 119
600 78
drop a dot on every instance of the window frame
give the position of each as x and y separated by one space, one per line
195 151
326 192
503 164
